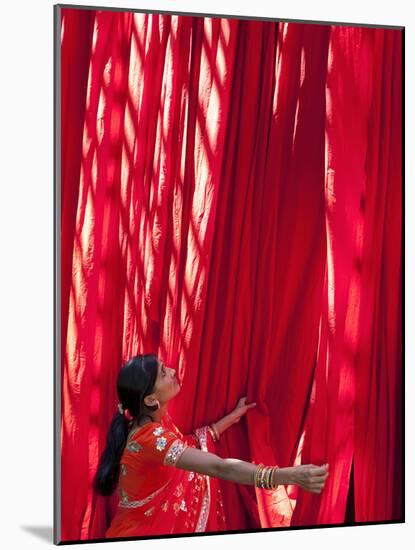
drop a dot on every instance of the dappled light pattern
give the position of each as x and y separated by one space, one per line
231 201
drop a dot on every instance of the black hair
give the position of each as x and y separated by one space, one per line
135 380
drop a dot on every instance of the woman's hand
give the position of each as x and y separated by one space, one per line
227 421
240 409
310 477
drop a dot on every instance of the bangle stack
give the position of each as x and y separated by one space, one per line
263 477
213 432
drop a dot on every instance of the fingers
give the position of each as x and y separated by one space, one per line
312 477
320 470
242 403
318 478
319 482
320 475
315 488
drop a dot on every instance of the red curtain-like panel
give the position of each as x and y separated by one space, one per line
232 201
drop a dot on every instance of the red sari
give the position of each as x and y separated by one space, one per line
156 498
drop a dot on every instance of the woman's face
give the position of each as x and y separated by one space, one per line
167 385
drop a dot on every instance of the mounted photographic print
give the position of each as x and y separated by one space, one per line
228 274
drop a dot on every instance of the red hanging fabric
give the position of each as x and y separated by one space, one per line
231 201
354 411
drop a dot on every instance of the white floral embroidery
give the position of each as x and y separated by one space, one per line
134 447
149 511
161 443
201 524
204 513
179 490
159 431
174 452
201 434
123 469
183 506
191 476
138 503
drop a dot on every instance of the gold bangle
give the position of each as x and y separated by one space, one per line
266 477
212 433
274 485
216 431
263 472
260 474
268 484
257 474
261 477
269 479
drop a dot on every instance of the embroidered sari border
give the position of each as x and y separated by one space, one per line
138 503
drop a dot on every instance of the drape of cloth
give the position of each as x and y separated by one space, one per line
154 497
231 201
355 410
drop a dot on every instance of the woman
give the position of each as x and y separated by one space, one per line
168 482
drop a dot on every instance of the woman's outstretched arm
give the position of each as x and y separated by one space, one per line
309 477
